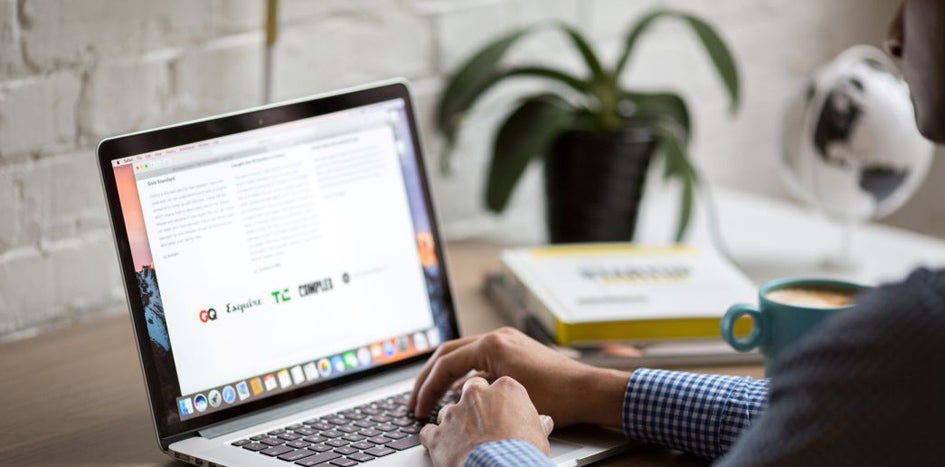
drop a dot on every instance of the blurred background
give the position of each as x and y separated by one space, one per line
73 72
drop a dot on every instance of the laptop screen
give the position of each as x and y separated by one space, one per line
282 257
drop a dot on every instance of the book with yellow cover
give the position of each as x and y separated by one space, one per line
625 292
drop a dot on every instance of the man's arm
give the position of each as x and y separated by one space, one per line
567 391
698 414
866 389
564 389
646 405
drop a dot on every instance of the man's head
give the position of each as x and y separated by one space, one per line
917 38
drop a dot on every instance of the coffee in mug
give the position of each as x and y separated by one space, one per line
787 311
813 298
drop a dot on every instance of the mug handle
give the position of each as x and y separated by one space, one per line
758 330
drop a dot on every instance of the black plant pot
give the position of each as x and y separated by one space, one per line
594 182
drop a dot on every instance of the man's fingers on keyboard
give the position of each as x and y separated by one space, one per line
547 423
426 435
447 369
442 412
458 385
474 381
442 350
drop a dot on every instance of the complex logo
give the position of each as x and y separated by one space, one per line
312 288
207 315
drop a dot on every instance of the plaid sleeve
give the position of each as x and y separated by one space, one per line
699 414
506 452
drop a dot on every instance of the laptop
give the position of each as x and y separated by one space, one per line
286 282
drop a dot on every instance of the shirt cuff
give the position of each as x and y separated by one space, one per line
695 413
507 453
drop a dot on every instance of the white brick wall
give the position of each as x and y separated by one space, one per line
122 95
347 43
38 113
74 71
200 91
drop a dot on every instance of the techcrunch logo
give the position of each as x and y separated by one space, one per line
281 296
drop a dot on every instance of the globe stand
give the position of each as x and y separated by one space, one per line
842 259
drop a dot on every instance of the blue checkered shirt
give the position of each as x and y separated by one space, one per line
507 452
700 414
865 390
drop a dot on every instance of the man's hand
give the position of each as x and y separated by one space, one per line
485 413
568 391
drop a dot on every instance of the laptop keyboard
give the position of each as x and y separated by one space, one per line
345 438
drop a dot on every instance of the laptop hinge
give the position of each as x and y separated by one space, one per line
323 398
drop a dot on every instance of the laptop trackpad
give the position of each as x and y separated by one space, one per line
559 447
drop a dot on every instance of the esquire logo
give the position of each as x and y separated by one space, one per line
242 306
210 314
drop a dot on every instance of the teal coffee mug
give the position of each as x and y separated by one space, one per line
788 310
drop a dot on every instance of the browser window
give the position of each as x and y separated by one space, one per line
284 255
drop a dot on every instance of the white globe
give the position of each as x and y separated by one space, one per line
850 143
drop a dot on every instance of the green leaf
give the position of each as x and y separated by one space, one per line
459 108
526 133
572 81
470 80
685 209
661 105
721 57
714 45
481 71
587 52
678 165
672 146
586 120
634 35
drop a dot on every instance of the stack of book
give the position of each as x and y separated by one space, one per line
623 305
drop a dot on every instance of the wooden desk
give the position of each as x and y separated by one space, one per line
76 397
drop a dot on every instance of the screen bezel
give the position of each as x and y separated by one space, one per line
186 133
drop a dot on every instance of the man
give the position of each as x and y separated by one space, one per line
867 389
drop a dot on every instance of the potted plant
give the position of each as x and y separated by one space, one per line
597 137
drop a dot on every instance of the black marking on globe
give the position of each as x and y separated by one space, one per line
881 182
836 122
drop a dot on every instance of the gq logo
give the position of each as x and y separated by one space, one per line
209 314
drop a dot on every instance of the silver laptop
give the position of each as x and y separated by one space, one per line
286 282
